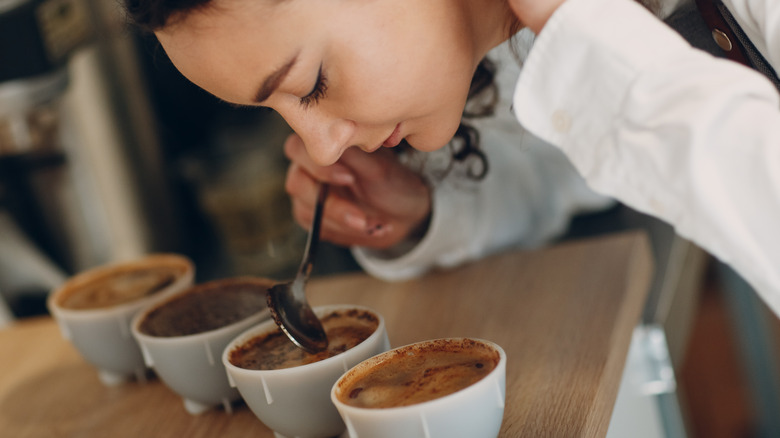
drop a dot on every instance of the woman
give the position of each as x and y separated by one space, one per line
662 127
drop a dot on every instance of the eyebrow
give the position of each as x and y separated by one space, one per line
273 80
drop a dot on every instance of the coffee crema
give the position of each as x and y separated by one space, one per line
273 350
120 286
418 373
206 307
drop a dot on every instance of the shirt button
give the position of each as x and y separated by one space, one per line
561 121
722 40
657 206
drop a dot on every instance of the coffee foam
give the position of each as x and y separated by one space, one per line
119 285
273 350
206 307
418 373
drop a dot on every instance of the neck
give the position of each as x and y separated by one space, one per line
491 22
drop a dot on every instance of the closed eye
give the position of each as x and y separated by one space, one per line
318 92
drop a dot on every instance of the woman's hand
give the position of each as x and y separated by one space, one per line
374 200
534 13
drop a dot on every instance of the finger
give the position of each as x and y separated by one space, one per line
332 228
376 234
376 237
339 205
365 240
337 173
367 165
300 184
339 211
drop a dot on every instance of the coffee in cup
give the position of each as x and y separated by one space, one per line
290 392
206 307
183 336
121 285
442 388
415 375
94 309
345 328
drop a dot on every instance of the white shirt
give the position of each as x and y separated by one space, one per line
665 128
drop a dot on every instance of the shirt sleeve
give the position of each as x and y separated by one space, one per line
528 198
665 128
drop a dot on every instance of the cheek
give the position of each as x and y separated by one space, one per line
386 85
405 96
426 92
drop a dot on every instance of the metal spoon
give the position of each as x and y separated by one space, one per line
287 301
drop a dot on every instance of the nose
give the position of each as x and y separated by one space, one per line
324 136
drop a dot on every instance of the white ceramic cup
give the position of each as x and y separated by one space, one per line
102 335
475 411
295 402
190 365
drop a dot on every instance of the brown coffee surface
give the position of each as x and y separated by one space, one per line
271 351
122 286
415 375
206 307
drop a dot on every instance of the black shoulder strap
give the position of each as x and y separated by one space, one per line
732 39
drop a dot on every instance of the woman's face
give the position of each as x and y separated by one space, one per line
342 73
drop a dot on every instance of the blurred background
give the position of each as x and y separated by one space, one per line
108 153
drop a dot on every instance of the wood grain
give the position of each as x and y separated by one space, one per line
563 314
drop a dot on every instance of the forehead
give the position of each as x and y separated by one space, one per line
232 43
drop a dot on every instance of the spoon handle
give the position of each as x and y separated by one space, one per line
310 251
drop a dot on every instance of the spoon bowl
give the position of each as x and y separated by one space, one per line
287 301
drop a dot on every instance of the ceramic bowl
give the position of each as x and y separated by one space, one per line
101 333
295 402
475 410
189 364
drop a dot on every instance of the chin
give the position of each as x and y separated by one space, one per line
430 142
424 147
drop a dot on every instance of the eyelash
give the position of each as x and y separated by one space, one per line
320 88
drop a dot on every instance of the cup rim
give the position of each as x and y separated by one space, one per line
374 360
139 317
262 328
98 272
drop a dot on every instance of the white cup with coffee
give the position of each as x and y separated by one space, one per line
442 388
94 309
182 337
288 389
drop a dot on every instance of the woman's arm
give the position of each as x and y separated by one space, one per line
665 128
527 199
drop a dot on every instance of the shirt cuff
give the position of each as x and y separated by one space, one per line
444 244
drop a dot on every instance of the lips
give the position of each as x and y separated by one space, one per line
395 138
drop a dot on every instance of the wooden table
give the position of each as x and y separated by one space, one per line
564 315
